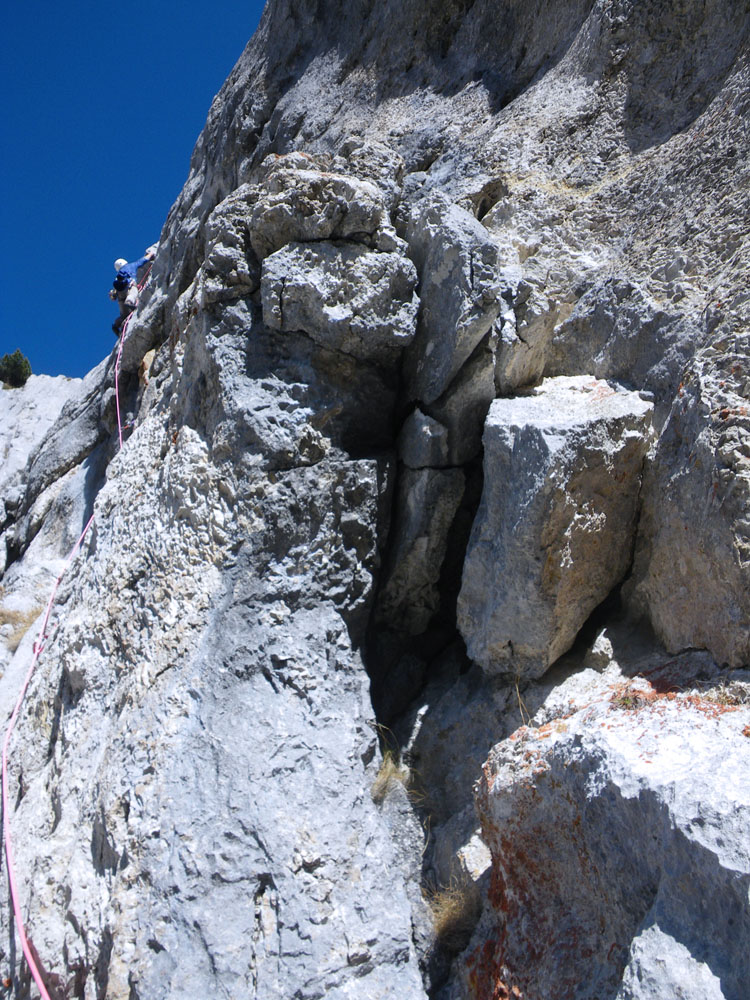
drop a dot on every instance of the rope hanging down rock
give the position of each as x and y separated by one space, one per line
38 647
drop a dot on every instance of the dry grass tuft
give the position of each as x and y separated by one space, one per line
733 693
390 770
455 909
22 622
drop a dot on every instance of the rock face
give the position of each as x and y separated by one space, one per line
459 290
348 299
577 886
556 526
303 205
691 574
245 762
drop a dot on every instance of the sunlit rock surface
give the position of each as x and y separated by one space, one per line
245 762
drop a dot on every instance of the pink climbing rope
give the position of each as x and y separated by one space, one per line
123 331
38 647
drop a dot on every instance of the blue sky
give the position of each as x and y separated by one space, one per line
101 107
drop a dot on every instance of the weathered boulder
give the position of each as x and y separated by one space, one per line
346 297
298 205
620 863
426 503
692 568
372 160
556 526
457 263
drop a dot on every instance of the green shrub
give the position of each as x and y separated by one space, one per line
14 369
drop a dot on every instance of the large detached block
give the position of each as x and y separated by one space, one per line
555 527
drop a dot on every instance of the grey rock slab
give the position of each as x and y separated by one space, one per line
635 817
457 264
556 525
426 503
72 439
302 205
345 297
74 435
692 564
207 607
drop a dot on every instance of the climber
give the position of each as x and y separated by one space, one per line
125 286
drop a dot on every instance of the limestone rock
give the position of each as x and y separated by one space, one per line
528 317
230 268
618 331
75 438
423 442
457 262
630 811
302 205
464 404
555 529
218 598
346 297
372 160
427 501
691 574
191 773
74 435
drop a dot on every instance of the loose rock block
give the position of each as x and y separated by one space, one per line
555 527
426 505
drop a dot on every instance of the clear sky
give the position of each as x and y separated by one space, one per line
101 107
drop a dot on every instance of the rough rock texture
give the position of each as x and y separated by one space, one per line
299 205
231 660
556 526
576 885
395 213
423 442
459 290
693 562
346 298
425 507
26 414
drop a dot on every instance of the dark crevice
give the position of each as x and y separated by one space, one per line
399 665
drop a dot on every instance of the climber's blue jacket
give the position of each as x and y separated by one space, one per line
126 275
